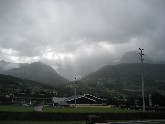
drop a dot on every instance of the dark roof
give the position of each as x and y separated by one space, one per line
87 96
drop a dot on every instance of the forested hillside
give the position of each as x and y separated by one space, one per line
39 72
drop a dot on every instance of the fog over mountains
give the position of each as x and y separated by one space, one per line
36 71
5 66
122 77
133 57
41 72
79 37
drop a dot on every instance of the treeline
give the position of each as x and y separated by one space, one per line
153 100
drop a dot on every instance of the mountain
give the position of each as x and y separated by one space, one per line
8 82
126 78
130 74
133 57
12 86
5 66
38 71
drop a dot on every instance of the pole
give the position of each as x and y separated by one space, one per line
75 97
143 94
150 102
75 92
30 102
141 59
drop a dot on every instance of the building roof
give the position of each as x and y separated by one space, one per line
87 96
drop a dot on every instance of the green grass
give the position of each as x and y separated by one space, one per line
16 108
88 110
66 110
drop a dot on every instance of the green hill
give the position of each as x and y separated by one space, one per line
125 79
10 84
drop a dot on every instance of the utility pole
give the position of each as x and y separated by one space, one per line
75 92
141 59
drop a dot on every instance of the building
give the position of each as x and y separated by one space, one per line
46 100
85 99
60 101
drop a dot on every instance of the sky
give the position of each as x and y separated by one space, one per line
77 37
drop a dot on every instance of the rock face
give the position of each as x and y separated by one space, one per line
36 71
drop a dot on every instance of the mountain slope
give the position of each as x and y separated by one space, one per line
128 77
38 71
13 83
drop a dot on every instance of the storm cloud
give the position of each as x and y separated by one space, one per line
77 37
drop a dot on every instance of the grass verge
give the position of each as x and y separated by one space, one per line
66 110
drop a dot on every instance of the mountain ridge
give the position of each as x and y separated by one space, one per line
133 57
125 78
37 71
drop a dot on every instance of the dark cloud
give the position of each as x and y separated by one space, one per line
78 37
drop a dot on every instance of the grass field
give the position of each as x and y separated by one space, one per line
88 110
66 110
16 108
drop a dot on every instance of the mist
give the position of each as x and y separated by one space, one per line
79 37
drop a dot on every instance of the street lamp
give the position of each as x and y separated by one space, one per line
75 92
141 59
